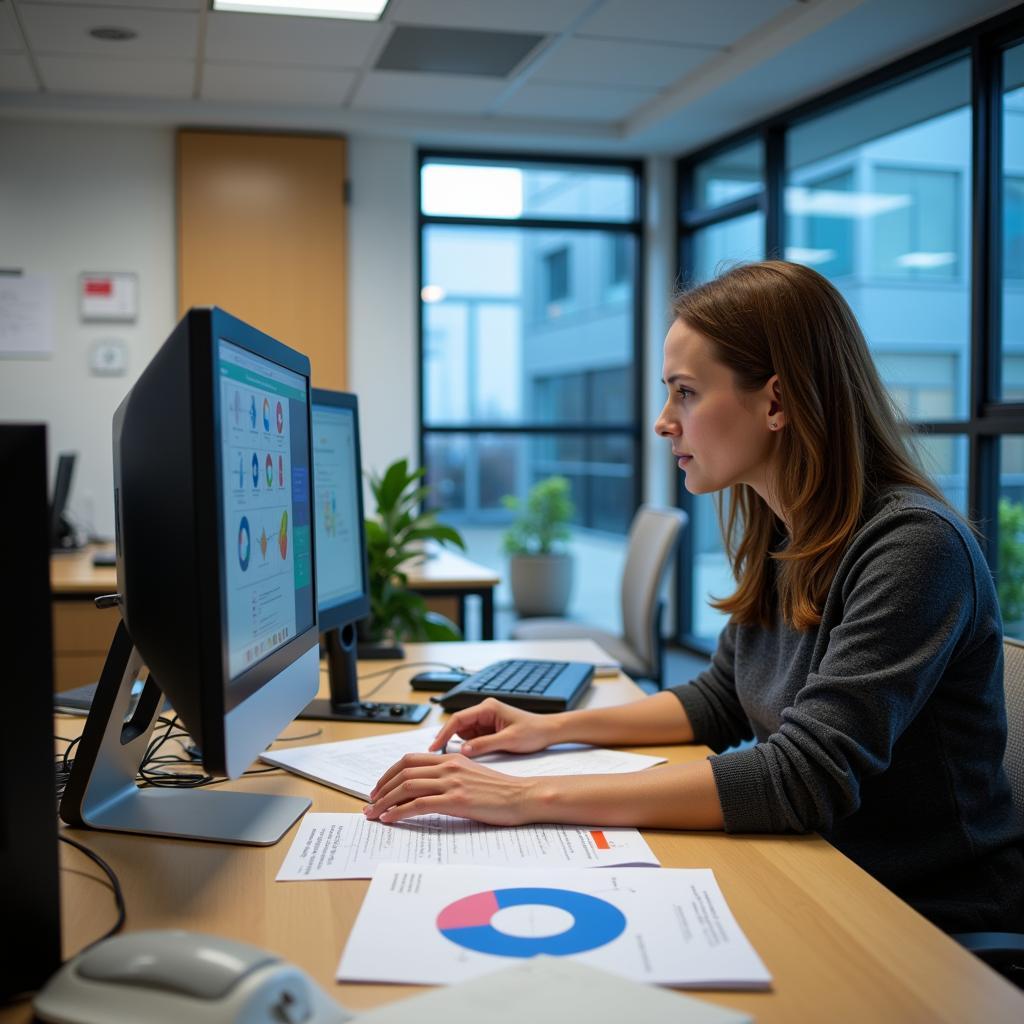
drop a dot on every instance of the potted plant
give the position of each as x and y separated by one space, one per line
540 571
394 537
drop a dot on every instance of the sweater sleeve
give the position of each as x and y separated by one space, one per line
710 700
907 600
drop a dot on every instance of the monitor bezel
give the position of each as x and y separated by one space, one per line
225 327
342 613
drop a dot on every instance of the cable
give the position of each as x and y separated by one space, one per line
389 672
115 885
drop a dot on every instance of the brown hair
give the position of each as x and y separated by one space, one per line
842 445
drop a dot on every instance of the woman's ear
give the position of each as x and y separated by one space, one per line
776 412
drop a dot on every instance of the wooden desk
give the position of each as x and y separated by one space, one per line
82 632
839 945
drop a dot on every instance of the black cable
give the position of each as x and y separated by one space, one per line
389 672
115 885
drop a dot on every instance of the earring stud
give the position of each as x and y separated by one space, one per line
773 426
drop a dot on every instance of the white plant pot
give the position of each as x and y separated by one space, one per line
541 584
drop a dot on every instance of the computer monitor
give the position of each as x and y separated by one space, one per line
62 536
342 574
216 579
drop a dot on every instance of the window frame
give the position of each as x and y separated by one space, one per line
988 417
631 429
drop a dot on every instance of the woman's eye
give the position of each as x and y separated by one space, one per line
684 392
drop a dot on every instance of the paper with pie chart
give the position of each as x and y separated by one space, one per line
337 845
670 926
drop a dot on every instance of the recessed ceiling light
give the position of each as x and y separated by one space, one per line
113 35
357 10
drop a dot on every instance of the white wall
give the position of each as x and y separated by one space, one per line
75 198
85 197
383 297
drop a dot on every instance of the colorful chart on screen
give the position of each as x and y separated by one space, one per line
468 922
244 544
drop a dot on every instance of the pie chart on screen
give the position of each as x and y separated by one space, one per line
280 418
244 544
476 922
266 413
282 535
269 466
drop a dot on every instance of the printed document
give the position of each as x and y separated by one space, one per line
668 927
355 766
352 846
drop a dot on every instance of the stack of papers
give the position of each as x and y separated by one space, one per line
355 766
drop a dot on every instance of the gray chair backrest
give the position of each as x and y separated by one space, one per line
1013 687
653 536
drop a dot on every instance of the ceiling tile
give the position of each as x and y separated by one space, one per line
64 29
696 22
521 16
456 51
275 84
10 35
442 94
323 42
166 78
175 5
16 74
603 62
574 102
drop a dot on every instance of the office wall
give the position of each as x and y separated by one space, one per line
76 197
73 198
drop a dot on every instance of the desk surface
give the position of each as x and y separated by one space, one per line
839 945
72 573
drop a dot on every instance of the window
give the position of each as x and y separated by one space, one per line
530 352
872 185
915 236
556 275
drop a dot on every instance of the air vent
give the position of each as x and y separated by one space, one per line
455 51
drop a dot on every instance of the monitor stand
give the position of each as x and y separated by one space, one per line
345 705
102 792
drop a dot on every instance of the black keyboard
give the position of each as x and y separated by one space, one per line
532 685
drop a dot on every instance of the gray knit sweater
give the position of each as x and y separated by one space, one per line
883 728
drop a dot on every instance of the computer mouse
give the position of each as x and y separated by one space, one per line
440 681
162 977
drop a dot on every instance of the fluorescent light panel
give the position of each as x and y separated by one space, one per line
355 10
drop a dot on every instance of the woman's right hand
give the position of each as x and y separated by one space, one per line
491 725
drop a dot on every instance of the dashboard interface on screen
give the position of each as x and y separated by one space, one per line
339 555
265 489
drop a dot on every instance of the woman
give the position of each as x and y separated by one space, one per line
863 652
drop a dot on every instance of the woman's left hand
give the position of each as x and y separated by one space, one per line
449 784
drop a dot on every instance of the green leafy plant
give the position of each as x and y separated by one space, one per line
542 522
1011 560
393 539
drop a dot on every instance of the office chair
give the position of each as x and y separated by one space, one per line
1004 951
653 536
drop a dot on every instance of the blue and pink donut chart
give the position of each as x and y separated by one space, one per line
467 922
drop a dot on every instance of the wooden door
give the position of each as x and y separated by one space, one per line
261 233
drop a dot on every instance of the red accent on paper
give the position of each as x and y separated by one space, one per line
101 287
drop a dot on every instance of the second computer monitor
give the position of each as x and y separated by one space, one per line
341 564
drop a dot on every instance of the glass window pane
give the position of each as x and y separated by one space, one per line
1013 224
1010 571
734 174
878 200
523 325
470 473
944 459
479 188
718 246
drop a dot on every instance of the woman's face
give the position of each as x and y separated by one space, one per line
720 435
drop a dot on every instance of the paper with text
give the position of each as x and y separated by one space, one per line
352 846
668 927
355 766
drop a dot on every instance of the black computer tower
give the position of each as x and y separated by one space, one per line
29 893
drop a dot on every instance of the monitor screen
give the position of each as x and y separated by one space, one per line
339 521
215 556
266 515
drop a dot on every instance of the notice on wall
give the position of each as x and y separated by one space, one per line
26 315
106 296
